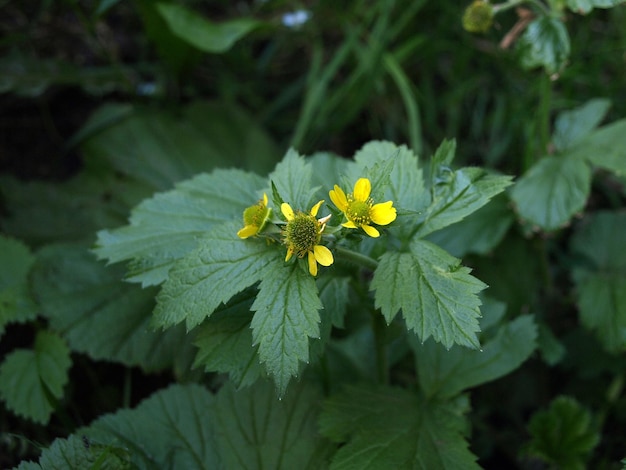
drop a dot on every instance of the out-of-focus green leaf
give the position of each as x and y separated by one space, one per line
585 6
552 191
563 435
102 316
16 304
385 428
446 373
479 232
601 282
605 147
31 381
202 33
545 43
292 179
572 126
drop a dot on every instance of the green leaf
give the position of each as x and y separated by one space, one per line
326 171
443 157
386 427
286 316
224 342
100 315
446 373
174 428
16 304
219 268
32 380
201 33
545 43
458 194
258 431
563 435
585 6
601 282
572 126
437 296
479 232
552 191
166 227
605 147
334 294
292 179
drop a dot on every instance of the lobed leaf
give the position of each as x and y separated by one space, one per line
437 296
605 147
545 43
572 126
552 191
286 316
384 427
32 380
222 266
292 178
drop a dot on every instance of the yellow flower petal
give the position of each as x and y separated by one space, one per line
247 231
371 231
323 255
312 264
264 199
287 211
383 213
349 224
316 208
362 189
339 198
289 254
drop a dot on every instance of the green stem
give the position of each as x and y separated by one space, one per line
513 3
359 259
380 341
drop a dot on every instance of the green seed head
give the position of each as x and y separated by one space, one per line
302 233
359 211
256 215
478 17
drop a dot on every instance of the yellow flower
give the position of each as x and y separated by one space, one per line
254 218
302 236
360 209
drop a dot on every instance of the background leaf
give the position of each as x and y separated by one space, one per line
31 381
601 279
437 296
572 126
446 373
286 316
585 6
552 191
102 316
292 178
545 43
384 427
606 147
202 33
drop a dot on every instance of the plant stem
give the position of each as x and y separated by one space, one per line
359 259
380 341
513 3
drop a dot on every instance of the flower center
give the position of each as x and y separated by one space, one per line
359 211
255 215
302 233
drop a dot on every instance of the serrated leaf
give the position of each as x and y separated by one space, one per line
333 292
545 43
563 435
386 427
552 191
572 126
585 6
31 379
202 33
292 178
219 268
443 157
286 316
224 342
16 303
479 232
446 373
601 283
255 430
327 170
458 194
164 228
100 315
437 296
605 147
174 428
78 453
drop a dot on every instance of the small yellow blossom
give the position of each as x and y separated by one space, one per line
302 235
254 218
360 209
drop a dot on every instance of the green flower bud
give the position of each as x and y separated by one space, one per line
478 17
